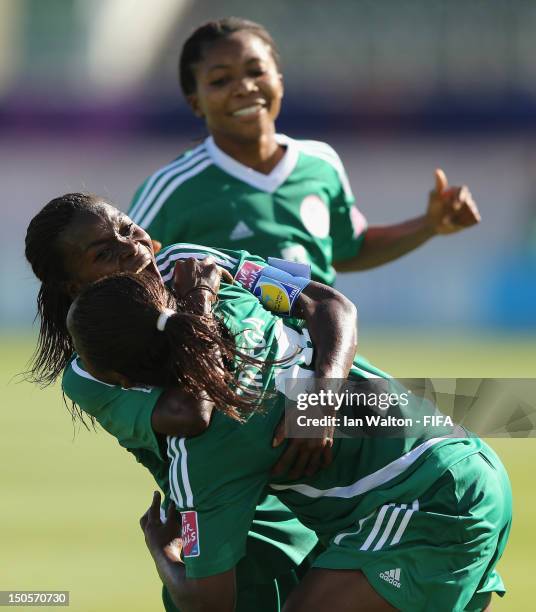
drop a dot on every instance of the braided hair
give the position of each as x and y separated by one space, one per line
43 252
116 325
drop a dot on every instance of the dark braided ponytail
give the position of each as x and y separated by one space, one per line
114 326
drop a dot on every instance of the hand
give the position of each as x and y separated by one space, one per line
450 209
159 535
192 274
303 456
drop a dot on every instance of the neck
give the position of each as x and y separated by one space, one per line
261 155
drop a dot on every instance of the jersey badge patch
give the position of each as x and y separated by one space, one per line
248 274
190 534
314 214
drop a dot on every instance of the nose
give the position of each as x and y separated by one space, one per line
129 248
246 86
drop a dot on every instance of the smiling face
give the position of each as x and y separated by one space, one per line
101 242
238 88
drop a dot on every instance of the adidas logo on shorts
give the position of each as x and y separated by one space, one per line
392 577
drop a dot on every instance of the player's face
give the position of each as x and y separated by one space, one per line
96 245
239 88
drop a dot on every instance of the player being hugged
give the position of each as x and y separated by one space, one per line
412 523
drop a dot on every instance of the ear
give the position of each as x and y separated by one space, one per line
193 101
282 82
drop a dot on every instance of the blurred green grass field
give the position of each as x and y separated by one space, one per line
71 499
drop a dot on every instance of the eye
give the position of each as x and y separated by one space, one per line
257 72
220 82
128 229
103 255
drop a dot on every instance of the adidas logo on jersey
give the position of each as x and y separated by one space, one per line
392 577
240 231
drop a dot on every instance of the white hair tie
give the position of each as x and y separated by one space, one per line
163 319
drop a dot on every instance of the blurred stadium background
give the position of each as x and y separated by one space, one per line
89 100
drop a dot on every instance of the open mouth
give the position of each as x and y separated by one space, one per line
142 260
253 109
143 265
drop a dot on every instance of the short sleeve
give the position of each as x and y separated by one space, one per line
347 224
215 531
124 413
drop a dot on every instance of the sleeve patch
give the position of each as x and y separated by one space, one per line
359 223
248 274
190 534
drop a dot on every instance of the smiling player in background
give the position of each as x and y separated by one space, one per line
247 187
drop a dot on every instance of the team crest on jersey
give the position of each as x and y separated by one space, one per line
190 534
248 274
314 214
295 252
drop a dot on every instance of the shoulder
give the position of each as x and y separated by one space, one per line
319 150
166 259
76 382
157 188
324 154
87 391
124 413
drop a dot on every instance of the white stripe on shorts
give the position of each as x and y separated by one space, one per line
404 522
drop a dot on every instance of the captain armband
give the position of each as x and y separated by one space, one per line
294 268
278 290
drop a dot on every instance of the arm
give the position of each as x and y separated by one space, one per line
212 594
177 413
449 210
331 322
387 243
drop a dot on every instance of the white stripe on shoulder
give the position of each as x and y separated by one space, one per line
328 154
367 483
155 182
81 372
188 246
153 206
185 255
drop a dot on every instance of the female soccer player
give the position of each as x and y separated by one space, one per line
79 238
247 187
412 522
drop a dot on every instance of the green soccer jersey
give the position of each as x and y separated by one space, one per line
276 541
217 498
302 211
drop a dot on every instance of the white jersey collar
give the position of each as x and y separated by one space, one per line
264 182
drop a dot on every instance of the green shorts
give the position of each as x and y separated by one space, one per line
437 552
